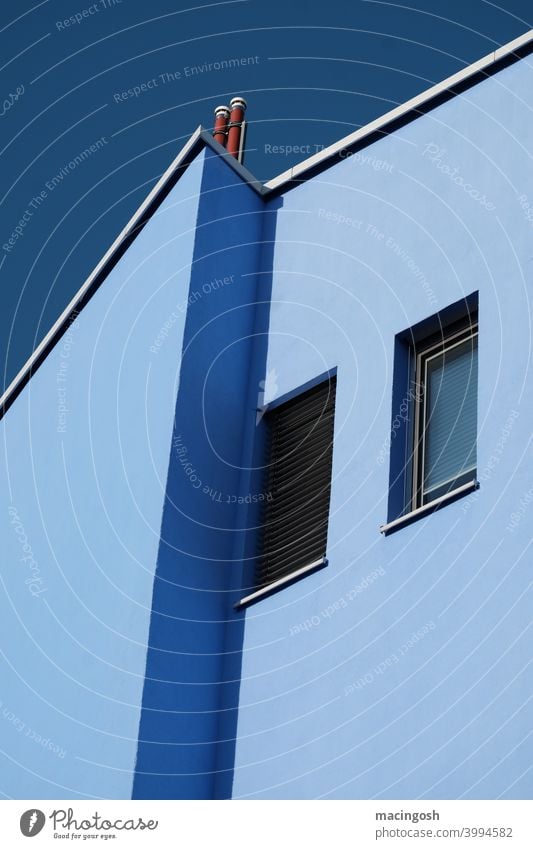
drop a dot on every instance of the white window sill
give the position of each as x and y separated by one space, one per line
276 585
407 518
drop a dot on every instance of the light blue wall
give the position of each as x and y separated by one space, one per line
448 717
89 504
335 697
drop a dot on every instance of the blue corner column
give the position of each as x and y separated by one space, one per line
179 756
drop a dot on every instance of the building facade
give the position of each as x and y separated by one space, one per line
388 655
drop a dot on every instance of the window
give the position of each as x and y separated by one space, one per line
295 519
433 433
446 414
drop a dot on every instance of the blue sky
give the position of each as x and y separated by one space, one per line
313 73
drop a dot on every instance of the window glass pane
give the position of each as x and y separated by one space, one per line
451 417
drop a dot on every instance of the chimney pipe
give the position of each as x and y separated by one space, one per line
221 123
236 128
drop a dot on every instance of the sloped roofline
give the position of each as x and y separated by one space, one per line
200 139
388 123
408 111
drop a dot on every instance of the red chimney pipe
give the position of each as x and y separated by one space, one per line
221 123
235 126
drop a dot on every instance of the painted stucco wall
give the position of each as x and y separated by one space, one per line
396 671
85 453
192 675
338 698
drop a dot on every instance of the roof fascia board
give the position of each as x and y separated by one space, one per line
233 163
200 138
102 269
413 108
406 112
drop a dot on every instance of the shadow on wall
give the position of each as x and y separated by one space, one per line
191 691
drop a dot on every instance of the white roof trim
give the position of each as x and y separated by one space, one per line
202 136
67 312
414 103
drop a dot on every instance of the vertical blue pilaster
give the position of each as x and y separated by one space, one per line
192 603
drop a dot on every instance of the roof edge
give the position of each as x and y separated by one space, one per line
411 109
103 267
200 139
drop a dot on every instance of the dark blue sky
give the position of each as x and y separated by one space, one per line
316 72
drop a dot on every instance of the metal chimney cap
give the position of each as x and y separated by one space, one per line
222 110
238 102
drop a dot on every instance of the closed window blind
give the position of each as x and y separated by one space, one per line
450 427
295 521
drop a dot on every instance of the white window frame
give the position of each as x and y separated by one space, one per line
423 356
